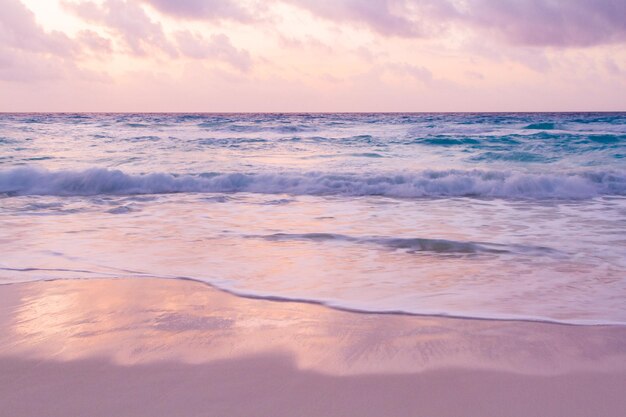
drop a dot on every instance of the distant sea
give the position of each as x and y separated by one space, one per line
501 216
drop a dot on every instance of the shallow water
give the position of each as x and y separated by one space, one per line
475 215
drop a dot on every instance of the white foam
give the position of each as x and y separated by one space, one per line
428 183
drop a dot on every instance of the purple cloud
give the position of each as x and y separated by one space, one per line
128 20
21 66
559 23
403 18
217 47
19 30
380 16
551 22
28 53
202 9
94 41
419 73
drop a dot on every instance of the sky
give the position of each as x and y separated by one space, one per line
312 55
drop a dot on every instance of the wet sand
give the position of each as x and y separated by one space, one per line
145 347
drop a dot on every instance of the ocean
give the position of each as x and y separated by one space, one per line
498 216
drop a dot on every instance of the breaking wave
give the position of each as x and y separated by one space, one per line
428 183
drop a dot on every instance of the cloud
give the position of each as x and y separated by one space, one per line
128 20
216 47
19 30
203 9
419 73
29 53
571 23
557 23
612 67
379 16
94 41
403 18
534 23
21 66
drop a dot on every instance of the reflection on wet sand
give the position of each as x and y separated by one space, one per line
149 348
143 321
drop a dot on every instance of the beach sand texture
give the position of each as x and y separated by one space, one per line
146 347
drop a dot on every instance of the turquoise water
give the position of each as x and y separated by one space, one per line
511 216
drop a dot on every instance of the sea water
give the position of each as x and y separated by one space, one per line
501 216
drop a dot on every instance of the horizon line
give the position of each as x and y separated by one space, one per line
317 112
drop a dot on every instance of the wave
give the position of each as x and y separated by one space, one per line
415 244
541 126
428 183
441 246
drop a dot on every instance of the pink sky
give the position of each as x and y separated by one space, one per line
312 55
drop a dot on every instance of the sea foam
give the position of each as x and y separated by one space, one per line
427 183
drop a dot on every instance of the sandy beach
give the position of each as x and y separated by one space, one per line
291 208
145 347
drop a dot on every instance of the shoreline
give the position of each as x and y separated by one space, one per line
328 305
150 347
